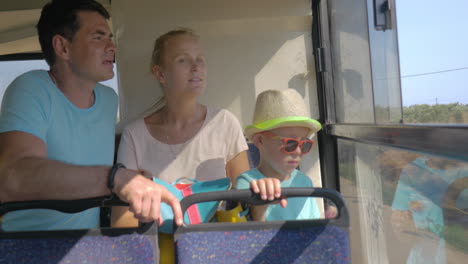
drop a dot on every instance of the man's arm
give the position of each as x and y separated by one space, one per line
27 174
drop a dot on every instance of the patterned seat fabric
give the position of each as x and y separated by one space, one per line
316 244
293 241
133 248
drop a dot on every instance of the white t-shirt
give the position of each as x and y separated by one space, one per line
203 157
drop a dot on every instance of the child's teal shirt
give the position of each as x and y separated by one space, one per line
297 209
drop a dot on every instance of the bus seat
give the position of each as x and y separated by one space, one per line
254 155
301 241
106 245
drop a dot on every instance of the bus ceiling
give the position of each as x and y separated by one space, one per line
18 26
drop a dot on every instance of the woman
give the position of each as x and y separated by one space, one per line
181 138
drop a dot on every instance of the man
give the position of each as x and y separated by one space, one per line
57 128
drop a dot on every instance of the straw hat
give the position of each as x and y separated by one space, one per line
285 108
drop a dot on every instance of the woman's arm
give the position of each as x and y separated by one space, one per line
236 146
237 165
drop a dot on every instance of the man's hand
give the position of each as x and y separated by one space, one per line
145 196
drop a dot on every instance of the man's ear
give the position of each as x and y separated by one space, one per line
60 46
158 74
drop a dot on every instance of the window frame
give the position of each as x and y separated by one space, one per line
445 140
327 142
22 56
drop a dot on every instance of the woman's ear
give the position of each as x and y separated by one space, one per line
158 74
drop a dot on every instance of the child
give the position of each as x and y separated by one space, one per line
281 129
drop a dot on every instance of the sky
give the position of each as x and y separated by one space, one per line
432 42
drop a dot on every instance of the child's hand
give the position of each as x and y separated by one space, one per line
331 211
268 188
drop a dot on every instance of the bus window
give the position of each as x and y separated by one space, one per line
404 183
408 207
370 65
433 61
10 69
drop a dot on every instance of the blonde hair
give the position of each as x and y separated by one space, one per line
157 57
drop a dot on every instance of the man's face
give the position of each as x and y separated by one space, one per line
91 49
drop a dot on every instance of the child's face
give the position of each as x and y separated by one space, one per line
273 155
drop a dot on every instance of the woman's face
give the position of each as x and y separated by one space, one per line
183 70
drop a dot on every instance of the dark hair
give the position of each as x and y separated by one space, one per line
60 17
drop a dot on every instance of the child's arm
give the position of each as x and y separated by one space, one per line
269 189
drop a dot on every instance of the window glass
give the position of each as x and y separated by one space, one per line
365 65
9 70
352 76
433 60
426 57
385 69
405 207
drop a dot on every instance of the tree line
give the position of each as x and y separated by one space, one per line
438 113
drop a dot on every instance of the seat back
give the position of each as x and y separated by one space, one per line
302 241
106 245
254 155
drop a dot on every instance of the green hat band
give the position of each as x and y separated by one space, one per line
284 120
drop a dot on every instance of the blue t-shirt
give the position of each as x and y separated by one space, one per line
298 208
33 104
